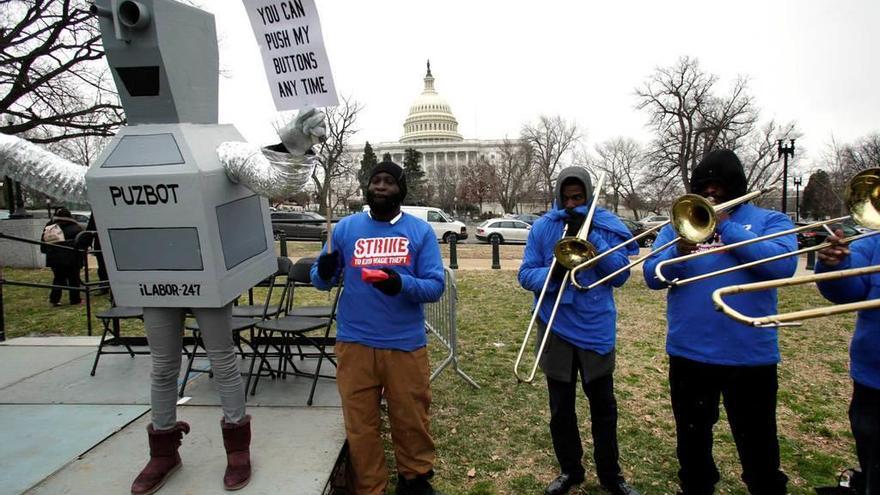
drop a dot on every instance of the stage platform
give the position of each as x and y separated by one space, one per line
65 432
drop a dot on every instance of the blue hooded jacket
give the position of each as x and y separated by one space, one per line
585 319
864 350
696 330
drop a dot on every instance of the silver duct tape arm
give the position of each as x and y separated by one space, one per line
269 173
42 170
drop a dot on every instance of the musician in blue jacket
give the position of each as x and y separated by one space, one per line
583 332
712 357
864 352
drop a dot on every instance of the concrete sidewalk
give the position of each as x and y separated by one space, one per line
64 431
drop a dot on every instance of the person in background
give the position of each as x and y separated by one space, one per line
65 263
583 337
380 335
864 352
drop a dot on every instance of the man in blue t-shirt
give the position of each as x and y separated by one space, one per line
713 357
582 337
864 411
380 333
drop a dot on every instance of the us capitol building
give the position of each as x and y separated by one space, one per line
432 129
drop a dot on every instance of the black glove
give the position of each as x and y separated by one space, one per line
558 272
574 221
390 286
328 265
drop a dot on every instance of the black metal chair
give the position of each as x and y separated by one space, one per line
239 325
110 319
292 329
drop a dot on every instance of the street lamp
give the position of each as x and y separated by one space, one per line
797 198
784 151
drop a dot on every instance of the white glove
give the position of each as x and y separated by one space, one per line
306 130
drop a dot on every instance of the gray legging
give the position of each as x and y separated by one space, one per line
164 328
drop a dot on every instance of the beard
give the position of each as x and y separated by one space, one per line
383 205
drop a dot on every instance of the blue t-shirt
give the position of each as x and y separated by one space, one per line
696 330
366 315
864 351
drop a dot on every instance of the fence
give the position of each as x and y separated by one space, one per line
440 321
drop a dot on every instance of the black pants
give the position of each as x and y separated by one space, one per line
864 417
749 394
603 425
68 276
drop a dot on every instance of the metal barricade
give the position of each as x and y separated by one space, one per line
441 323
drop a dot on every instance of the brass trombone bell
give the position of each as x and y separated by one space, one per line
863 198
694 218
572 251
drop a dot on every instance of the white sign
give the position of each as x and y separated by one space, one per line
290 39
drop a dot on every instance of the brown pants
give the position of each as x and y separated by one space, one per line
362 373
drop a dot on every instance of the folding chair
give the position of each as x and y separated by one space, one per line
110 320
239 324
293 329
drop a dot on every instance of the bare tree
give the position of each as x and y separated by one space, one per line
689 119
862 154
334 164
550 140
512 173
658 193
622 160
476 182
444 179
51 76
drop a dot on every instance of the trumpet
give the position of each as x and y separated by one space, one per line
863 202
568 252
694 219
862 197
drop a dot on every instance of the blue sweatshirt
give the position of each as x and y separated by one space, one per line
366 315
864 351
585 319
696 330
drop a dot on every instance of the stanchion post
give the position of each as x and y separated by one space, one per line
2 320
282 239
811 260
453 252
496 257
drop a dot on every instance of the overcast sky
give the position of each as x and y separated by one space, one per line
502 63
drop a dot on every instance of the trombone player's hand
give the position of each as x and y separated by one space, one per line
836 252
686 247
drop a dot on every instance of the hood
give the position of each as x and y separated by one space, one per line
578 173
724 167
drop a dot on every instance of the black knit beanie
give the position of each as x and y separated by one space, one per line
723 167
395 171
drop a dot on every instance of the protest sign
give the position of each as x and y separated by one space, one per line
289 35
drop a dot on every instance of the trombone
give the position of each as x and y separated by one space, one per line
694 219
862 198
793 318
863 201
568 252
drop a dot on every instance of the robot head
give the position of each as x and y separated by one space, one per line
164 59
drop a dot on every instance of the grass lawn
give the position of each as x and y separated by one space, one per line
496 439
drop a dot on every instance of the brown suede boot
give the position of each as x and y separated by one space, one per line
164 459
237 441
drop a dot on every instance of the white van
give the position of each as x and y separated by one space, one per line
442 223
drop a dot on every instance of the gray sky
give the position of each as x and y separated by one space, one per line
501 63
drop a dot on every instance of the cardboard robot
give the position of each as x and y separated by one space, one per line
181 209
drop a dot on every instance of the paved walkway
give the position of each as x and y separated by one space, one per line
64 431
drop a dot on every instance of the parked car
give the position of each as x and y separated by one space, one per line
653 221
817 235
299 225
504 230
636 228
528 218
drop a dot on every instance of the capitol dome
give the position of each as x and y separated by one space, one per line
430 119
